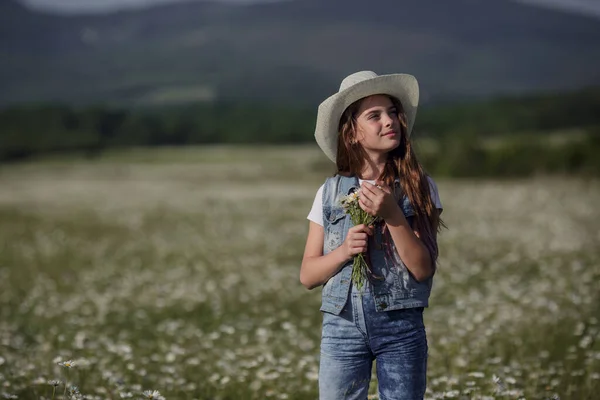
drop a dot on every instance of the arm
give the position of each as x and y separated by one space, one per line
378 200
410 248
317 268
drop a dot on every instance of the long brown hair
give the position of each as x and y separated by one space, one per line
401 163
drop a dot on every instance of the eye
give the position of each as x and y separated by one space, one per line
373 116
393 112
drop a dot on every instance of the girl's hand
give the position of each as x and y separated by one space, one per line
378 200
356 240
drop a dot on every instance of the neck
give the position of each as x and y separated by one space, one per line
373 167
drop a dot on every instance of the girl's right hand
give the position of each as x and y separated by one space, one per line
356 240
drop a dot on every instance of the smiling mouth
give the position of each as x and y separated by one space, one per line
391 133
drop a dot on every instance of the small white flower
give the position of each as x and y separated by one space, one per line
312 376
54 383
451 394
225 380
499 383
74 390
349 199
477 374
39 381
585 341
153 395
67 364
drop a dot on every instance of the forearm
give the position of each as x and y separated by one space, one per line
317 270
410 248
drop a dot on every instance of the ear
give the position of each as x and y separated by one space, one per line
358 134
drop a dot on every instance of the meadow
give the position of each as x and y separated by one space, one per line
177 271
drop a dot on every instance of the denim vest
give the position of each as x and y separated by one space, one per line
397 289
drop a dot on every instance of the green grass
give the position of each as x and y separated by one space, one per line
177 270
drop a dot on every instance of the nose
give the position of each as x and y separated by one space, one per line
388 120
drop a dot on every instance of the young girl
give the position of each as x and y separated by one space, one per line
364 129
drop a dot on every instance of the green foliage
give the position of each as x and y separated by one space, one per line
467 156
463 132
536 113
35 130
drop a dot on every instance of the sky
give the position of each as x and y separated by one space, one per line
589 7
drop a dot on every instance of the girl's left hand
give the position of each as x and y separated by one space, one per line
378 200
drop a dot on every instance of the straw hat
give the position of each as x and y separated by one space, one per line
354 87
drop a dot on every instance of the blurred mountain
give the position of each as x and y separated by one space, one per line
291 51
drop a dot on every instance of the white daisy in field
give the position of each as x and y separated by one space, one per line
67 364
152 395
451 394
38 381
477 374
499 383
54 383
510 380
74 392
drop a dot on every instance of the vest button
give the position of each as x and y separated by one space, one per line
383 305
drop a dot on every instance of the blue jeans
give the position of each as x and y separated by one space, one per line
396 340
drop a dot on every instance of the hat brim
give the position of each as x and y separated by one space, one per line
404 87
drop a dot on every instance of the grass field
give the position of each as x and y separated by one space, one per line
177 271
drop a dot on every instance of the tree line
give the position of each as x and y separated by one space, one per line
37 129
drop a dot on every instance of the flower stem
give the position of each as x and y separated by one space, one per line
359 271
66 383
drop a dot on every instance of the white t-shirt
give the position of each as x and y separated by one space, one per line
316 212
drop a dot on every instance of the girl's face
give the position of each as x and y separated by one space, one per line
377 125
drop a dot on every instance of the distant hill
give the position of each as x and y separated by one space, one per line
292 51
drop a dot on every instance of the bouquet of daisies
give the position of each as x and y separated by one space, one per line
360 267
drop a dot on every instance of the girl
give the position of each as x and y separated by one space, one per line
364 129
